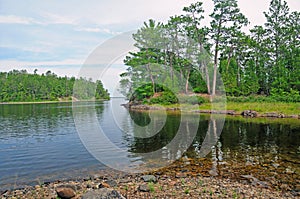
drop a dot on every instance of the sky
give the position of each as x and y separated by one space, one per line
60 35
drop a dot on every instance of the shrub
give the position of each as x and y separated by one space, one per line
166 98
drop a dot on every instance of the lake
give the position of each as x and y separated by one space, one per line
55 141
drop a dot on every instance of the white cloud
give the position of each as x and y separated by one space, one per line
6 65
13 19
98 30
52 18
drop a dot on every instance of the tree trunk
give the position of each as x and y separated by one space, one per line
187 81
215 71
229 58
216 60
238 77
151 77
207 79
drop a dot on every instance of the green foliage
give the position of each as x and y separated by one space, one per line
264 62
166 98
20 86
276 96
185 99
151 187
280 95
186 191
142 92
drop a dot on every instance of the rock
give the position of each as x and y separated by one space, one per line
125 180
88 186
111 183
249 113
180 175
249 177
104 193
103 185
275 165
230 112
293 116
96 177
65 191
149 178
272 115
172 109
144 188
3 192
284 187
289 171
254 181
262 184
213 173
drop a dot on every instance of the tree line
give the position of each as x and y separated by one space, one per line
264 61
20 86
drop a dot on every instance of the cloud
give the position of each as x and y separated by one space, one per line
98 30
13 19
51 18
6 65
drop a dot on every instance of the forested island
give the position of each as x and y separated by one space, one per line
259 65
21 86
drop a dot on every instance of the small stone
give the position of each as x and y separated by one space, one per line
102 194
103 185
149 178
297 188
289 171
213 173
111 183
180 175
95 177
172 183
88 186
144 188
275 165
284 187
65 191
263 184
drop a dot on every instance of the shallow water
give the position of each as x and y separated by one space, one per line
40 142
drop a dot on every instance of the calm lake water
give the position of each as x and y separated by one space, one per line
40 142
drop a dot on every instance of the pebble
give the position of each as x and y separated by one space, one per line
149 178
144 188
104 193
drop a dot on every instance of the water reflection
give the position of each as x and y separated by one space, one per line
242 144
39 140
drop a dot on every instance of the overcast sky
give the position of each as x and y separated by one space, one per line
58 35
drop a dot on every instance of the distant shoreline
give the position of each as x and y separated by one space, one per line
50 102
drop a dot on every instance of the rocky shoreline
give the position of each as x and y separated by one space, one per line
149 186
176 181
246 113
